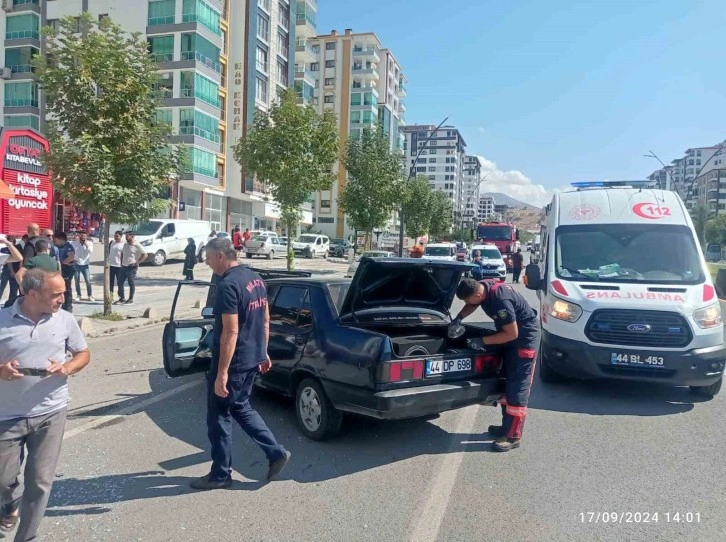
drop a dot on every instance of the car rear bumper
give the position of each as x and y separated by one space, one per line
413 402
577 359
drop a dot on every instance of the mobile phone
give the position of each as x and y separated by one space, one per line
32 371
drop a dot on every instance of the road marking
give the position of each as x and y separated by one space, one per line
132 409
427 523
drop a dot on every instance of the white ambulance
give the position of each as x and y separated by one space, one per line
624 290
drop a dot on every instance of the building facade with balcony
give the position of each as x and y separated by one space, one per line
362 83
470 191
212 76
441 160
710 191
486 208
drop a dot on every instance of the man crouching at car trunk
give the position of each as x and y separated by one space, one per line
239 352
518 330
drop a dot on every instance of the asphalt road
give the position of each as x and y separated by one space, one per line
136 438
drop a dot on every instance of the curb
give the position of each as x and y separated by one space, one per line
137 322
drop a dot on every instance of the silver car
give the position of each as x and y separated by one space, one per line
268 246
370 254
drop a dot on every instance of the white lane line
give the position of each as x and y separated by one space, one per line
133 409
428 522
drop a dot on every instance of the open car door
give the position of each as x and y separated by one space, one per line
187 339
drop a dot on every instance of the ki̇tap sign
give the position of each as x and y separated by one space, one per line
23 155
29 188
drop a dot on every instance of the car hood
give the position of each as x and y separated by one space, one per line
298 244
381 283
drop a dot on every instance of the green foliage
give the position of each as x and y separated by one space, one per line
441 214
293 150
715 231
374 188
699 214
417 206
107 152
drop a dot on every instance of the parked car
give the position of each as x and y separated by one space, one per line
713 252
283 241
370 254
462 255
166 239
339 248
267 245
440 251
375 346
312 245
493 265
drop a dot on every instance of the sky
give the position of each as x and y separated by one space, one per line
551 92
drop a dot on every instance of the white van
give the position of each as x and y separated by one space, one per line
166 239
440 251
624 290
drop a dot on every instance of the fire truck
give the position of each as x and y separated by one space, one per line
502 234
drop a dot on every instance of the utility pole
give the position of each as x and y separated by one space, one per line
411 174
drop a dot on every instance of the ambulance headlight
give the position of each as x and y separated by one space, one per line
564 310
708 317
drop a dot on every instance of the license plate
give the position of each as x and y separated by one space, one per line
636 360
445 366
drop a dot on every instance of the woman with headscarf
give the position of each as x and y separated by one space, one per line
190 259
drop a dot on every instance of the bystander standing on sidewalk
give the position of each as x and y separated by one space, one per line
29 241
115 249
47 235
190 259
84 251
66 255
132 255
34 338
12 264
42 260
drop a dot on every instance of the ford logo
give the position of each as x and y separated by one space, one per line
639 328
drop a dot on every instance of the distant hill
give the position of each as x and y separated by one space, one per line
503 199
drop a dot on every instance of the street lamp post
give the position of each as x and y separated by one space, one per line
411 173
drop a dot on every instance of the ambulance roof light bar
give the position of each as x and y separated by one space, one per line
614 184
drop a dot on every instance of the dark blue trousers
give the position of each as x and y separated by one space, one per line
220 413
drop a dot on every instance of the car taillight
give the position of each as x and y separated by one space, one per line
398 371
486 362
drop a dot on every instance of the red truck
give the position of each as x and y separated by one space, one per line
502 234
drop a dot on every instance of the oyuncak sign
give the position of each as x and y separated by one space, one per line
28 179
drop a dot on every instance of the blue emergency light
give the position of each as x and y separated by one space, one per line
612 184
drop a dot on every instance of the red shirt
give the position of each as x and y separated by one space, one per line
237 239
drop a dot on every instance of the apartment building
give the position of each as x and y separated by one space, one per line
441 159
352 75
212 76
486 207
710 191
470 190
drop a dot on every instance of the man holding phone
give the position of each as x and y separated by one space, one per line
34 338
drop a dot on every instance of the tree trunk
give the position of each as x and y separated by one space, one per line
366 241
106 268
290 253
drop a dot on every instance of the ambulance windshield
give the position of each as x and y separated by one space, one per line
653 253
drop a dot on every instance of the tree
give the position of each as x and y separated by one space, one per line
417 206
374 188
716 230
108 153
441 214
700 217
293 150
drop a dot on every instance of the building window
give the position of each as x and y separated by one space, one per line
355 117
315 67
21 94
202 13
330 63
203 162
355 98
329 99
194 122
19 27
325 204
161 48
330 46
284 17
22 121
261 57
196 47
161 12
261 90
102 16
263 28
355 134
329 81
19 59
264 4
163 116
282 73
420 170
369 99
432 160
432 169
283 48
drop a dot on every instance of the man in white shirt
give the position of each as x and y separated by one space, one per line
115 248
81 265
132 255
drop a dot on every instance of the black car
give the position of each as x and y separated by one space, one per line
339 248
376 345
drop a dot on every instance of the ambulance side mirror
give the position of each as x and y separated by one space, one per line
532 278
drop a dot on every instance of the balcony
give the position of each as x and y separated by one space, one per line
19 59
305 75
366 72
306 20
202 59
368 53
304 47
365 87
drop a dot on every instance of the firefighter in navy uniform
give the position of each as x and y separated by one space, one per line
518 330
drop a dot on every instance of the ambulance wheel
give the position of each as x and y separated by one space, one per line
546 373
708 391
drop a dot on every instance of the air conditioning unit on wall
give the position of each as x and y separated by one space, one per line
6 73
7 5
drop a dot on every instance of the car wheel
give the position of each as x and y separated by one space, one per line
249 256
546 373
159 258
316 416
708 391
309 253
271 255
202 254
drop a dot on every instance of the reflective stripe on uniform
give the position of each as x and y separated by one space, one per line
517 411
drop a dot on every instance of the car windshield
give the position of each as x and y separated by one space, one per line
373 254
337 241
307 238
337 293
438 251
146 228
260 238
495 233
489 254
713 247
628 253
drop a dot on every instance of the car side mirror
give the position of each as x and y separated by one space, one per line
532 278
208 312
